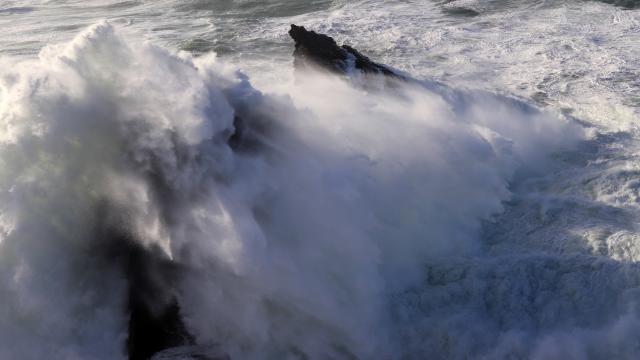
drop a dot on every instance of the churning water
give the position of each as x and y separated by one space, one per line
490 210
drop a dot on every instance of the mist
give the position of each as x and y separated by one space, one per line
317 219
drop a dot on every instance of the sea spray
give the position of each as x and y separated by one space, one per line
290 247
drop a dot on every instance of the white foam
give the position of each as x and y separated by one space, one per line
295 248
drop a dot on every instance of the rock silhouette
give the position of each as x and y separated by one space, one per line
319 50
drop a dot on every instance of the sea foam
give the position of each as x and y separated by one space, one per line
297 244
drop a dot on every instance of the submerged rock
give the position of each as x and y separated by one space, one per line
319 50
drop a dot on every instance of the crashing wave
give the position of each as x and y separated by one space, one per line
144 191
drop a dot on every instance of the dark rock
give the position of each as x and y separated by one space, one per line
151 330
461 11
155 322
319 50
247 135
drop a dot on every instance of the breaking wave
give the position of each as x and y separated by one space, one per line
330 220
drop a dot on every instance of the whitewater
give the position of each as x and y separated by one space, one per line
162 163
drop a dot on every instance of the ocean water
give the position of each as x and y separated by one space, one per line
490 210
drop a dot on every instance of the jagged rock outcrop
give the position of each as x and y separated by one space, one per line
319 50
312 50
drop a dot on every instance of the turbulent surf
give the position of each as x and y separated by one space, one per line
383 180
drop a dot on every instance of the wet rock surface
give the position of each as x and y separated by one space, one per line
319 50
